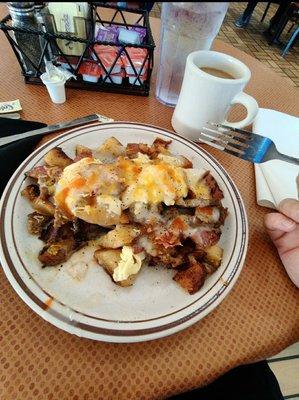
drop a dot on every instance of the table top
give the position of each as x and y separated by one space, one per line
258 318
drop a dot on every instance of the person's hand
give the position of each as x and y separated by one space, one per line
283 228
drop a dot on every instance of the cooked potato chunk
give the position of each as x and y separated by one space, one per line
57 158
83 151
45 207
31 192
99 215
109 150
215 191
124 218
109 260
214 255
192 278
122 235
57 253
36 222
179 161
192 202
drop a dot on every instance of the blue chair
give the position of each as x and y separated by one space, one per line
290 42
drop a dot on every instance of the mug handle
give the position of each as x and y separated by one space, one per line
251 106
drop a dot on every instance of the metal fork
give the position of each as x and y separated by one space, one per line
243 144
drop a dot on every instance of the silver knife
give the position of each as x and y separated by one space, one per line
54 128
11 115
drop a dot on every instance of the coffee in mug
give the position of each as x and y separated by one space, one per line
217 72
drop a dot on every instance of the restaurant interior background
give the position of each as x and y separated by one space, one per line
253 42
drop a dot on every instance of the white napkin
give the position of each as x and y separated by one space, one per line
276 180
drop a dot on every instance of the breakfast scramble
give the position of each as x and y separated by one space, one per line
137 204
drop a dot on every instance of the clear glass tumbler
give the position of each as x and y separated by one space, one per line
185 27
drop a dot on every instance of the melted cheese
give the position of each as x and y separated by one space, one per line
156 183
142 159
178 161
88 187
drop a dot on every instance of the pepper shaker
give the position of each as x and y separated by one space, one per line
23 16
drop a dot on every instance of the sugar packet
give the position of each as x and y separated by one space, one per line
10 106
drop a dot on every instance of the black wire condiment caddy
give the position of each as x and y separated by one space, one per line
52 43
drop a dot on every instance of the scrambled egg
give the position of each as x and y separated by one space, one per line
129 264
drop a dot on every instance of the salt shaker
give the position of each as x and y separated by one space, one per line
23 16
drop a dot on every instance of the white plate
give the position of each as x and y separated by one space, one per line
94 307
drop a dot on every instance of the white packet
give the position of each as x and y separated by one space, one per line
10 106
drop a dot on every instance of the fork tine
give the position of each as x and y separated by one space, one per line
219 147
250 146
222 144
203 139
239 143
231 128
237 135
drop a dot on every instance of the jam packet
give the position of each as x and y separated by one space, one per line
107 34
90 71
141 31
137 57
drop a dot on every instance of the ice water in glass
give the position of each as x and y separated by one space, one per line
185 27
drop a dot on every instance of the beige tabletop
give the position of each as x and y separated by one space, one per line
259 317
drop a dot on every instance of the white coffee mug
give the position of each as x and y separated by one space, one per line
207 98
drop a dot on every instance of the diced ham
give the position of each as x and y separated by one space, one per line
137 249
168 239
37 172
54 173
216 192
159 146
161 143
208 215
133 149
205 236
